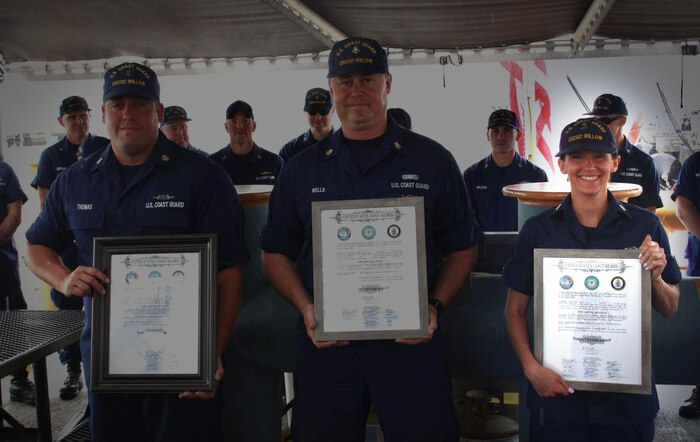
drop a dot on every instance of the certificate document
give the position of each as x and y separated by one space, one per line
593 318
369 269
154 313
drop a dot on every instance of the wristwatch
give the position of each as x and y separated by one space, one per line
437 304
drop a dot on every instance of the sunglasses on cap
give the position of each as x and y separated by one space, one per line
314 113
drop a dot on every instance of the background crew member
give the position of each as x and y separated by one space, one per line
636 166
318 106
112 194
244 161
370 157
11 200
504 166
74 116
401 117
175 127
686 194
588 218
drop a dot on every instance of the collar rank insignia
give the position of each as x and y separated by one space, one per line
329 152
397 146
99 161
165 158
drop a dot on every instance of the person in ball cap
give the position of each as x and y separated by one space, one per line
401 117
141 184
590 217
245 161
175 127
504 166
636 166
74 117
370 156
318 106
686 194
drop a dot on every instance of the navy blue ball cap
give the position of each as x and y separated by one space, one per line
503 117
608 104
131 79
357 55
71 104
587 134
318 100
239 106
172 113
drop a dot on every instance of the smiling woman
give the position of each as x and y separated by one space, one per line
590 217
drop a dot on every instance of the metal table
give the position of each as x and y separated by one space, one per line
27 337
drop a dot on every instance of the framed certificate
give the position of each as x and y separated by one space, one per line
154 330
593 318
369 269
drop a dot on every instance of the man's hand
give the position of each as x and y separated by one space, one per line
83 281
310 324
218 376
432 326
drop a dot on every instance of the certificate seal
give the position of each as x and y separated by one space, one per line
368 232
591 283
566 282
393 231
618 283
344 234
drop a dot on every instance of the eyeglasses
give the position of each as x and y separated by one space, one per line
314 113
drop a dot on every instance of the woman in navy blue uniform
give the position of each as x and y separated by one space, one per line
115 193
406 380
588 218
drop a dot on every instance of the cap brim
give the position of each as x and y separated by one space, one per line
317 108
503 124
593 147
356 69
129 90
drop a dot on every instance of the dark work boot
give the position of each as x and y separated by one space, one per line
73 383
22 389
692 410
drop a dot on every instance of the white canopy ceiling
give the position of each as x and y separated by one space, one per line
37 30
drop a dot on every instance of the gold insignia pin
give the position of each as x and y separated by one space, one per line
397 146
329 152
165 158
99 160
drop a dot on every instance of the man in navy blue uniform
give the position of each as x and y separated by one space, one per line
401 117
112 193
318 106
74 117
407 380
11 298
636 166
244 161
590 217
175 127
686 194
504 166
